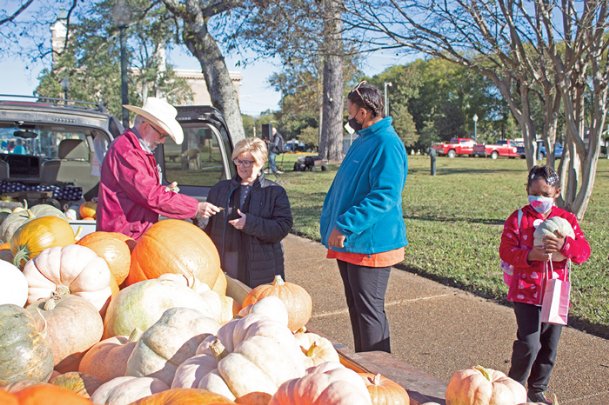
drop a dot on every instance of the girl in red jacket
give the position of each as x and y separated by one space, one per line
536 344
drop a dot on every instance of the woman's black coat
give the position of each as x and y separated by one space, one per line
269 219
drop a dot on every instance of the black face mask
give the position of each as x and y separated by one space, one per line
354 124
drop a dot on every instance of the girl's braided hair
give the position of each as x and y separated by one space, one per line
369 97
543 172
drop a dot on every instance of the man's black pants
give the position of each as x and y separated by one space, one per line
365 289
534 351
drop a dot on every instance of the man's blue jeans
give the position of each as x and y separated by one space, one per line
272 162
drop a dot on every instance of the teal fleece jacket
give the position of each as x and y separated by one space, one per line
365 200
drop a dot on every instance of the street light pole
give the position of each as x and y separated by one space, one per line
65 84
385 85
121 15
475 118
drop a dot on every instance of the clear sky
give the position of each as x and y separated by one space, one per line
256 94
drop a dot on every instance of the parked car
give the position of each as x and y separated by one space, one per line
504 148
455 147
541 150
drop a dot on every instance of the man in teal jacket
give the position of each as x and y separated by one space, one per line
361 221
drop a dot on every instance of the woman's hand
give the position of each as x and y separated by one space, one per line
336 239
239 223
207 210
538 254
553 243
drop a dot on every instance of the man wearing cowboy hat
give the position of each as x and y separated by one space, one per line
131 196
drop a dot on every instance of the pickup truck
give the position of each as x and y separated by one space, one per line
455 147
541 150
503 148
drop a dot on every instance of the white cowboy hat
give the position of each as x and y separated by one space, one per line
161 114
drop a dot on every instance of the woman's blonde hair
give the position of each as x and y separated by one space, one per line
255 146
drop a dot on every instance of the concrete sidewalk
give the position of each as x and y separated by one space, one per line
439 329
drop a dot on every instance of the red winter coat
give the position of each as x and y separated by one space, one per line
526 283
131 197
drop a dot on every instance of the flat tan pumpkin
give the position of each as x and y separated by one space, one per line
296 299
479 385
108 359
384 391
73 325
173 246
74 268
316 348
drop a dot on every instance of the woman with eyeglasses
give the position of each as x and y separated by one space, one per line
255 216
361 221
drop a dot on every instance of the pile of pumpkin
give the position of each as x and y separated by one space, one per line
106 320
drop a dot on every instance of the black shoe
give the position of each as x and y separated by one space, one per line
539 397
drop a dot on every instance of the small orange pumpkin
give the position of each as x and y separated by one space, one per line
296 299
38 235
184 396
88 209
113 249
382 390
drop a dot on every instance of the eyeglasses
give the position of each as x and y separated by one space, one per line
245 163
161 135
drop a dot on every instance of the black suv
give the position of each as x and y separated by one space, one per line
55 147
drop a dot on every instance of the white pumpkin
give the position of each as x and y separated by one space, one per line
317 348
126 390
549 227
140 305
169 342
13 285
272 307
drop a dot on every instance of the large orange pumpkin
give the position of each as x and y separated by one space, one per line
479 385
113 249
172 246
384 391
184 396
48 394
296 299
38 235
88 209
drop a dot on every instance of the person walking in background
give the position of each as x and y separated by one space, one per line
536 345
361 221
275 147
255 217
131 196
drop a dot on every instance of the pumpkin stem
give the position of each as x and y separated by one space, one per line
483 371
135 335
61 291
278 280
51 303
309 352
78 232
218 349
303 329
376 380
22 255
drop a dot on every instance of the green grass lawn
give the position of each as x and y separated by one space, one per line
454 222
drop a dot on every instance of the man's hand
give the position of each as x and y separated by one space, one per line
239 223
336 239
553 243
173 187
207 210
538 253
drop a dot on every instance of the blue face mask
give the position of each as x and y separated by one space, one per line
540 203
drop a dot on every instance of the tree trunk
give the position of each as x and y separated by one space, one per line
204 47
331 145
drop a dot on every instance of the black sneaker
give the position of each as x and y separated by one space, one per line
539 397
